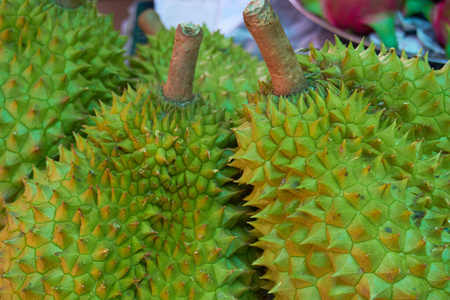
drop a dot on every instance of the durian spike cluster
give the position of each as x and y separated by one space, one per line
55 62
224 72
146 208
350 176
406 89
347 152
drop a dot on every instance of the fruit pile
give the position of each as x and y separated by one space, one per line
331 180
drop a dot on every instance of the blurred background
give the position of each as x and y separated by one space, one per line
223 15
416 26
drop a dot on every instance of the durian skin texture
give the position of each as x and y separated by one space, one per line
55 63
224 71
351 203
409 90
144 209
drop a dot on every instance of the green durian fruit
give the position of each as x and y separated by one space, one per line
55 64
225 71
408 89
145 208
351 204
346 206
80 34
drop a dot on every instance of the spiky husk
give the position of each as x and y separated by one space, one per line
224 71
408 89
146 208
55 64
81 35
351 189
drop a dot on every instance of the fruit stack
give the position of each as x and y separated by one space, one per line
329 180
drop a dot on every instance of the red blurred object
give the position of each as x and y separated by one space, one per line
440 19
357 15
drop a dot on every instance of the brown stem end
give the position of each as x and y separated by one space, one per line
179 86
264 11
149 22
265 27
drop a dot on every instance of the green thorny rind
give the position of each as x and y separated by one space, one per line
81 35
224 71
352 189
408 89
146 208
55 65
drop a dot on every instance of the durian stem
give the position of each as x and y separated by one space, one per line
69 3
149 22
179 86
265 27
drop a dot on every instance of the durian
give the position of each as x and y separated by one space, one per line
407 89
352 189
146 208
225 71
56 62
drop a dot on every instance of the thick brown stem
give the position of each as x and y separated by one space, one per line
69 3
179 86
265 27
149 22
